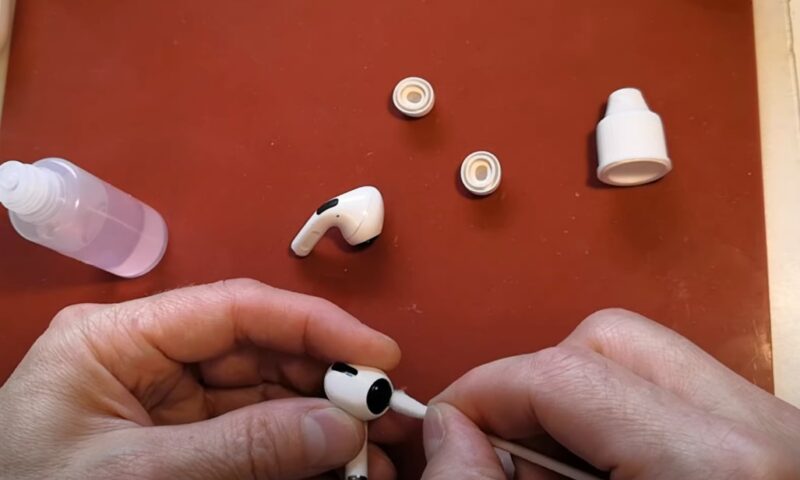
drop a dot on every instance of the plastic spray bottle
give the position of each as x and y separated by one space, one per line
59 205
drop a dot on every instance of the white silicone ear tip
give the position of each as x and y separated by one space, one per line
414 97
481 173
631 145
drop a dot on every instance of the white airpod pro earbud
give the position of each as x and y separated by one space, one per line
358 214
364 393
367 393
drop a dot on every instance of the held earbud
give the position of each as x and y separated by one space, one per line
367 393
358 214
363 392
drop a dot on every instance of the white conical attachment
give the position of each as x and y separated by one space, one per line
29 191
626 100
404 404
631 147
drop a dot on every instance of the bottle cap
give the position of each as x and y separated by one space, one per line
413 96
631 147
28 190
481 173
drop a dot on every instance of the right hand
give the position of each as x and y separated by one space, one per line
625 394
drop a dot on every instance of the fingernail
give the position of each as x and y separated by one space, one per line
432 431
329 434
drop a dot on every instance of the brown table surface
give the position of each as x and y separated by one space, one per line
236 120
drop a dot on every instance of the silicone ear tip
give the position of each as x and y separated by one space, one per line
414 97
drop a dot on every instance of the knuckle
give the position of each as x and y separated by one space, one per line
233 286
607 318
555 360
69 315
565 370
613 329
123 318
320 303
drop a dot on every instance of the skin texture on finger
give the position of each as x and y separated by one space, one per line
669 360
380 467
263 375
58 375
198 323
456 448
250 365
614 419
223 400
144 343
240 367
72 313
40 417
196 403
282 439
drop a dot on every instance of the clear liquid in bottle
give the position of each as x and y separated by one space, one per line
61 206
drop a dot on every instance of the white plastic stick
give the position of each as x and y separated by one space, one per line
537 458
404 404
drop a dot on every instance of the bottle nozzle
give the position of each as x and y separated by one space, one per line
29 191
626 100
8 181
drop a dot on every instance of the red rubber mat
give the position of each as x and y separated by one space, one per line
237 120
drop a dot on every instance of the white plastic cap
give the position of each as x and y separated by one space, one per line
29 191
481 173
631 147
414 97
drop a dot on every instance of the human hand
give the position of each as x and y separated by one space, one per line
197 383
626 395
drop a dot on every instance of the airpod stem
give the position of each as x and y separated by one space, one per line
404 404
357 468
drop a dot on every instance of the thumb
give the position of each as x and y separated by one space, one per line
456 448
280 439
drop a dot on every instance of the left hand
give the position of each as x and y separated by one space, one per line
197 383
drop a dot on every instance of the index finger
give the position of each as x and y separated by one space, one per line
198 323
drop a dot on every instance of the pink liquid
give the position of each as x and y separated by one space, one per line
130 242
99 224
